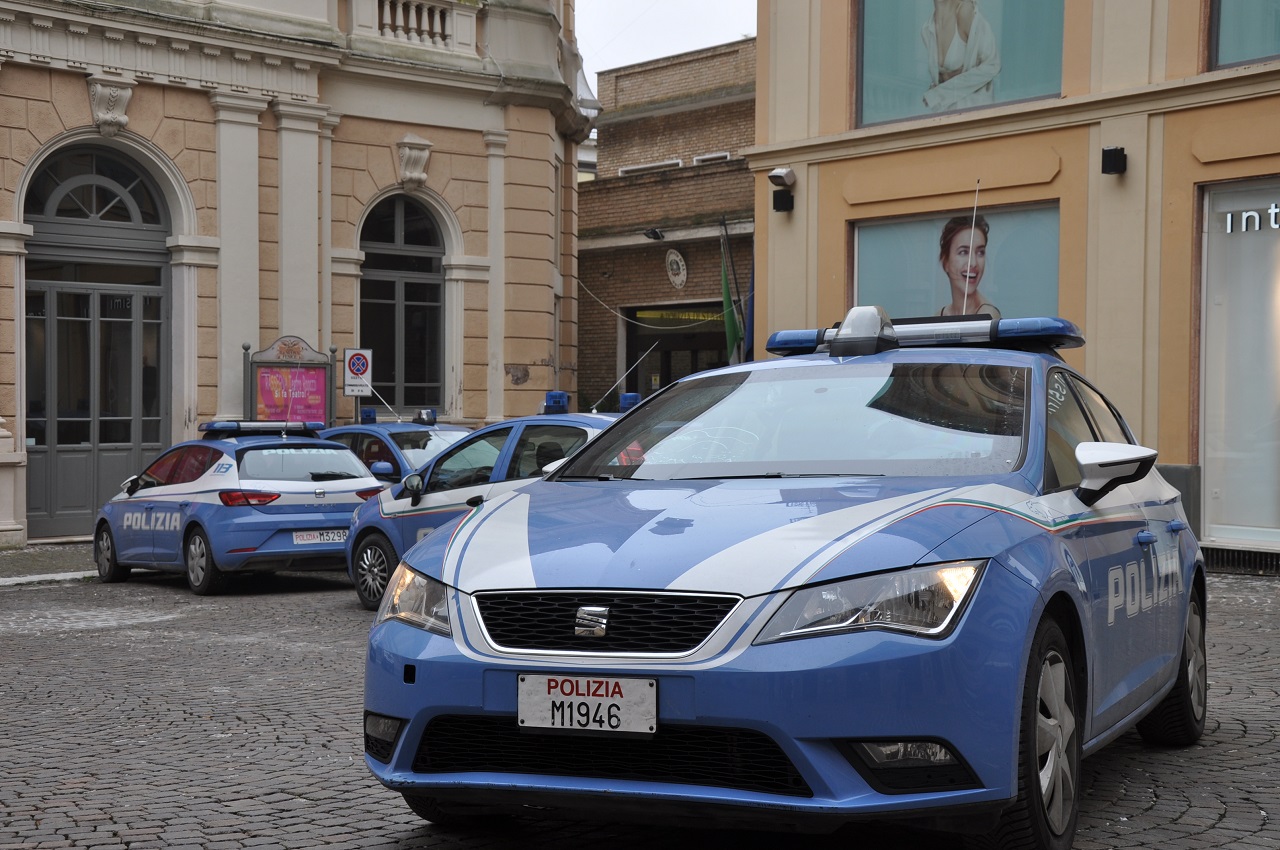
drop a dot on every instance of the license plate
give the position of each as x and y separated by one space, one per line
588 704
328 535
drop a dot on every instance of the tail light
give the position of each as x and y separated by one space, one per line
246 498
368 494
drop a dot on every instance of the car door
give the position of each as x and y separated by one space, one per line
133 528
462 472
1114 535
1160 579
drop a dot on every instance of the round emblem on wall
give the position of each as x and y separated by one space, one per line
677 273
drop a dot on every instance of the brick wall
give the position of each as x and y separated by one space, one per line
685 196
674 77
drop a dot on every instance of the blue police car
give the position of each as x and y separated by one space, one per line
489 461
248 496
404 446
914 570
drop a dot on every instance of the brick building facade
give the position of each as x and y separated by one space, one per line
671 180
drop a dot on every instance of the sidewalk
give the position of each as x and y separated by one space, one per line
47 562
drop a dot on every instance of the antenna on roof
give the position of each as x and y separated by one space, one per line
968 260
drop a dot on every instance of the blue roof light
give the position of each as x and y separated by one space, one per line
868 329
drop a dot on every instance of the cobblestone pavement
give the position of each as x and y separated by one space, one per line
138 715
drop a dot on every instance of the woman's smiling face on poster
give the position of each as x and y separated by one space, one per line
966 259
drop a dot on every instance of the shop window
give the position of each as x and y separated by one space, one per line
913 60
1244 31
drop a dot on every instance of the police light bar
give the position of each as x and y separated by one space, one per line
258 426
425 416
866 330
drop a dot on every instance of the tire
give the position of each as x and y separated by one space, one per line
1044 815
110 570
371 567
203 574
458 816
1178 720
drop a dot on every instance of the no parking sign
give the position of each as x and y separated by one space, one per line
358 363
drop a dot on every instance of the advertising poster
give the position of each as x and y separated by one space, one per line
1002 262
924 57
295 393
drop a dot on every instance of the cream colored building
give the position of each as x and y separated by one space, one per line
188 182
1125 154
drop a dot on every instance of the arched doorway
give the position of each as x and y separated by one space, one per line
97 322
402 303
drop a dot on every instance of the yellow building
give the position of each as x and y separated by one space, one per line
1120 158
195 187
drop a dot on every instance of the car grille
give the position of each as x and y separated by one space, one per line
689 755
662 623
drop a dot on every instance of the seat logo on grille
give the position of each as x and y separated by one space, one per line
591 621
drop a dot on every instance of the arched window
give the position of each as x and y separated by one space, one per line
402 302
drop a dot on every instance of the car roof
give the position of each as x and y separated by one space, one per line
598 421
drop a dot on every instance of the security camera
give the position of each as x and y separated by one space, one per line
783 177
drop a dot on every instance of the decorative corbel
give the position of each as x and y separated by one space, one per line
414 154
109 100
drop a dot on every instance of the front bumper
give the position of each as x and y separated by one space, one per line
752 729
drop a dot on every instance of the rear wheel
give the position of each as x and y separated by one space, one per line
104 554
371 564
1179 718
203 574
1044 815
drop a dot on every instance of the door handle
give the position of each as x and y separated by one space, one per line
1177 525
1145 538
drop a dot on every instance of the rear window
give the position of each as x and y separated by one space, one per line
916 419
299 463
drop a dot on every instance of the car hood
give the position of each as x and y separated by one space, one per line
739 536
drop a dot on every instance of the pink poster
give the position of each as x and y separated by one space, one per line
295 393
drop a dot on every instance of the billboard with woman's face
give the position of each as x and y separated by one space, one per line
920 57
998 262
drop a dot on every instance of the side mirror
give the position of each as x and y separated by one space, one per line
384 470
413 486
130 484
554 465
1105 466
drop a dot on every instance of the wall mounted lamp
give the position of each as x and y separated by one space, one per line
653 233
1114 161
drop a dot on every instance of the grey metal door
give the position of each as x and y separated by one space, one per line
96 392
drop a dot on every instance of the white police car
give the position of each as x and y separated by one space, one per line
486 463
914 571
248 496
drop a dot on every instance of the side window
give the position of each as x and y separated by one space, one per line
163 470
468 463
542 444
1109 425
373 449
1068 427
347 440
196 462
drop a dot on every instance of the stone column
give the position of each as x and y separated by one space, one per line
239 316
496 144
299 152
13 458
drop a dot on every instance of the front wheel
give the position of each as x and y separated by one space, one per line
110 569
371 566
1044 815
1178 721
203 574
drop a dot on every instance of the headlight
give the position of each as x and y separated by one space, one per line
922 601
417 600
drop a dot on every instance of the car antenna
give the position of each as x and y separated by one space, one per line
968 259
624 376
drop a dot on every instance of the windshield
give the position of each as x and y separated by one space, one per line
300 463
847 419
421 446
